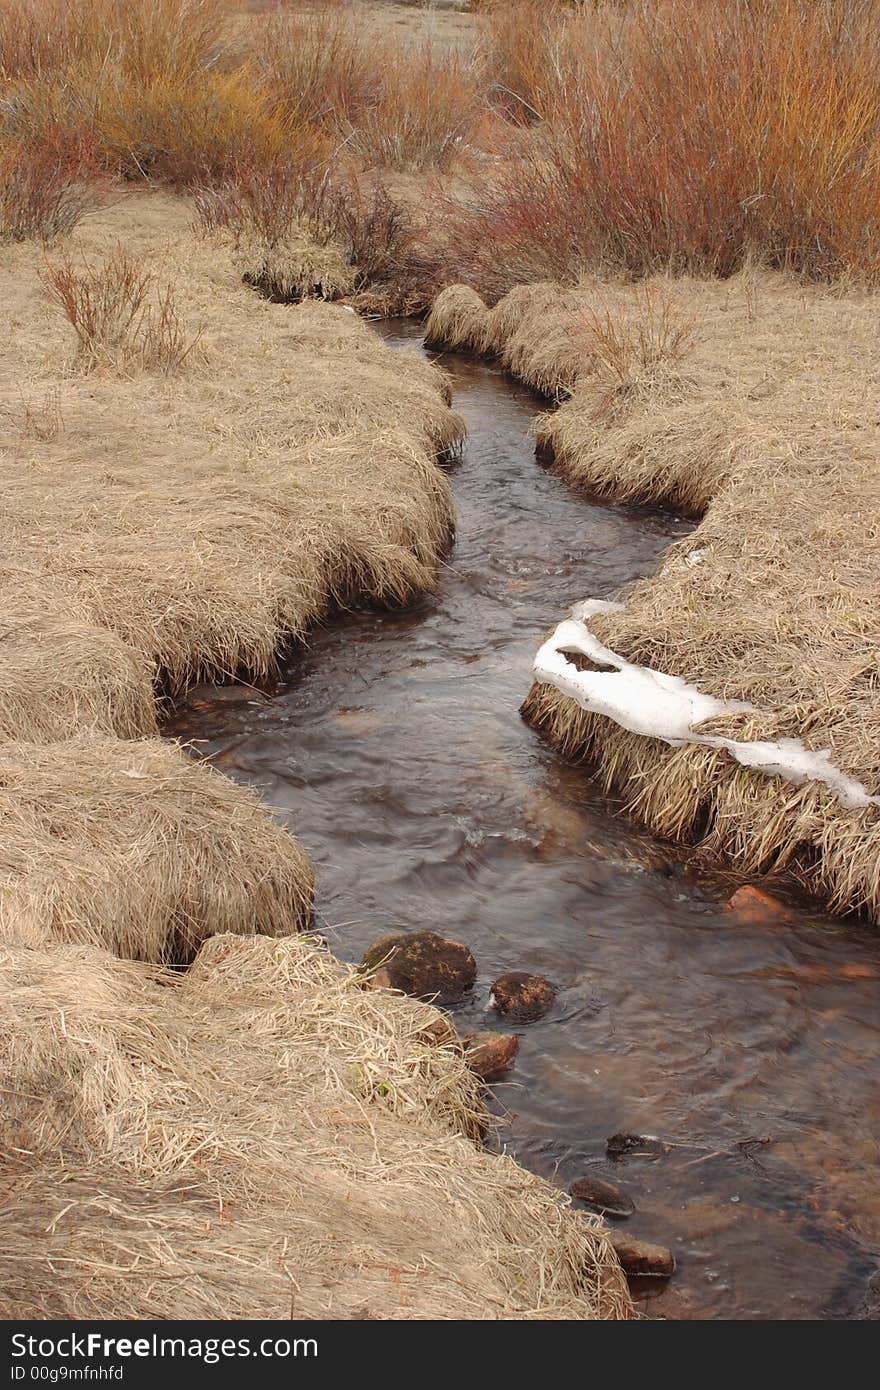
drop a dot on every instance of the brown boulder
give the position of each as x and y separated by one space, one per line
640 1257
602 1196
423 965
521 996
490 1054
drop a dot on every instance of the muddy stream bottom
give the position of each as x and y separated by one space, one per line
392 747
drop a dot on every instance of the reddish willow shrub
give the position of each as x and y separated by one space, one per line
684 135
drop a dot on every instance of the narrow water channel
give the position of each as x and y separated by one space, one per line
392 747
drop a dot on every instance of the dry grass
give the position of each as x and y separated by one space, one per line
261 1138
309 232
743 400
426 111
397 105
150 84
319 62
120 316
136 848
297 475
62 675
186 131
250 506
650 134
521 42
286 222
38 37
650 343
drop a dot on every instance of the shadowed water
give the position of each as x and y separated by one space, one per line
392 747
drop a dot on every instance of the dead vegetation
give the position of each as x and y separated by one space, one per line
671 134
646 135
744 402
134 847
184 526
261 1138
120 316
248 509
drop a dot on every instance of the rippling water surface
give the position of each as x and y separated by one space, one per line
393 748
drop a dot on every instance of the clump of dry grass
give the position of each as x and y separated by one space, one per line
136 848
285 220
61 675
312 232
657 340
257 1138
456 320
121 316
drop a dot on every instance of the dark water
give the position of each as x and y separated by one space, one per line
393 748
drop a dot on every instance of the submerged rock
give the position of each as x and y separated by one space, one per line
522 996
756 908
625 1145
423 965
490 1054
602 1196
640 1257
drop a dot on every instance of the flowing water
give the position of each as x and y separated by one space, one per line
393 748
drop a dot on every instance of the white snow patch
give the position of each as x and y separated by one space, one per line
657 705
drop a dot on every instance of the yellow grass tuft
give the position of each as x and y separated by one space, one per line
60 674
136 848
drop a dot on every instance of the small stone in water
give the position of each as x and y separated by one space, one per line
754 907
624 1145
602 1196
423 965
640 1257
490 1054
440 1033
521 996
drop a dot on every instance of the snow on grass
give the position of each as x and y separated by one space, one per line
657 705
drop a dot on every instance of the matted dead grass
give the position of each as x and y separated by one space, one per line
261 1138
135 847
60 674
763 420
205 516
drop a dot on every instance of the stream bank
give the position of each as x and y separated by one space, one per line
392 746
